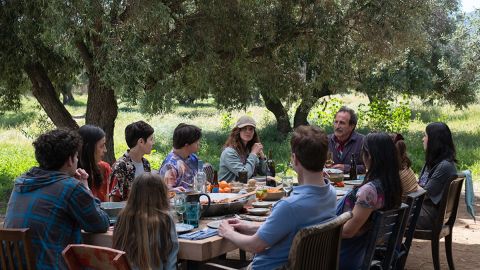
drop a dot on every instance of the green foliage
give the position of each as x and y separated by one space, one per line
38 126
227 121
385 115
324 114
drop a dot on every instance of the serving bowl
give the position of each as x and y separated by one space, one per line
219 208
274 196
112 208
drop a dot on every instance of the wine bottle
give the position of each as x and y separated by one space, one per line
270 170
353 168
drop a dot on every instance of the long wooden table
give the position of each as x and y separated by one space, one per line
192 250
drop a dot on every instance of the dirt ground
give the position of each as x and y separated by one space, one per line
466 243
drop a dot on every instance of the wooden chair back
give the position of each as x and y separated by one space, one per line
449 203
385 232
16 249
414 201
79 257
318 246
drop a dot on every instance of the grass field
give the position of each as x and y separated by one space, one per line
17 131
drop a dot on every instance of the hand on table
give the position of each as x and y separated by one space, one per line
225 228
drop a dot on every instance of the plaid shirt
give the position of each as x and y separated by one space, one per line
123 174
55 206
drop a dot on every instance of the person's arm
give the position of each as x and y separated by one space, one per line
86 210
250 243
279 224
442 174
353 225
367 200
172 257
232 161
117 182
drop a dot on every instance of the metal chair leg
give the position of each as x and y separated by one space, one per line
435 251
448 250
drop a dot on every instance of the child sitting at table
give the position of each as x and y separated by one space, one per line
145 230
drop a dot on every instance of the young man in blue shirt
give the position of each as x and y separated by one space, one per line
310 203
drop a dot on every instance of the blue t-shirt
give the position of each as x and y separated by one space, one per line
307 205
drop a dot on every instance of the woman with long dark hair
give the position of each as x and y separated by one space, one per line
90 159
407 176
242 151
144 229
438 171
381 190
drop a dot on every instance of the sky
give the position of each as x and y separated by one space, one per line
470 5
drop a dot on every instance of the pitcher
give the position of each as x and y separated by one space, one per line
195 197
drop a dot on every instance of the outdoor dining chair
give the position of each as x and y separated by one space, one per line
443 226
16 249
79 257
414 201
384 232
314 247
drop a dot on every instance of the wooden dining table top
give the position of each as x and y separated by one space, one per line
192 250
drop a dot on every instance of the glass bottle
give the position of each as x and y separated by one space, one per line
353 168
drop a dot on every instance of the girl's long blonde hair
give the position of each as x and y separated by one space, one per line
143 226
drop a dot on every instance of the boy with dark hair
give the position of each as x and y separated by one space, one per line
54 200
311 203
181 165
140 140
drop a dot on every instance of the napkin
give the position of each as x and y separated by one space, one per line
199 235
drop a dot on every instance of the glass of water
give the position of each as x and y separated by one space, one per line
287 182
180 206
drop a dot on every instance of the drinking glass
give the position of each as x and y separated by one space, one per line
287 182
261 193
329 162
180 206
193 213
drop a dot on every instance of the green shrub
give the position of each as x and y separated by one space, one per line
323 114
385 115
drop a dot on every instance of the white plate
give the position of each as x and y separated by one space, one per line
258 211
183 228
262 204
214 224
332 170
341 192
353 182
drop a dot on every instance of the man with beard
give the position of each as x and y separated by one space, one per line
345 141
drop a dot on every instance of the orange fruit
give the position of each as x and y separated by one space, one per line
223 184
227 190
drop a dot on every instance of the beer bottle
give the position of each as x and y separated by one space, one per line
215 185
353 168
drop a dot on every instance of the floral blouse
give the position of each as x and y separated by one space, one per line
123 174
369 195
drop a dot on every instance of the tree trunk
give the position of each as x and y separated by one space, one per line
274 105
307 104
102 111
44 92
